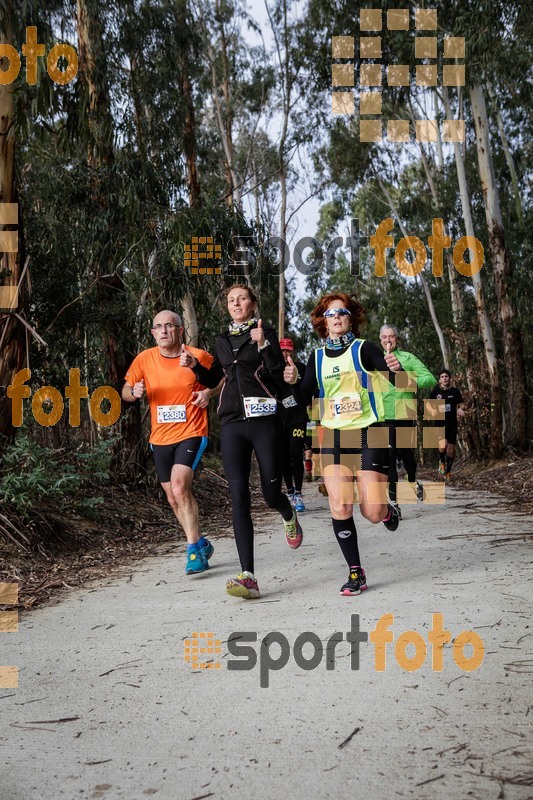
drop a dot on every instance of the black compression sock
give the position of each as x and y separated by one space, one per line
442 456
346 535
449 462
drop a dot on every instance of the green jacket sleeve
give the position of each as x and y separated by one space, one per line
424 378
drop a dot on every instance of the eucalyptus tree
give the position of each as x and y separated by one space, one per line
21 102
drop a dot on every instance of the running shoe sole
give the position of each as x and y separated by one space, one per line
348 593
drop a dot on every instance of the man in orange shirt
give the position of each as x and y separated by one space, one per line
178 424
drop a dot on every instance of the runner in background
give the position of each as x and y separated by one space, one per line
400 410
294 419
345 373
178 418
248 358
453 408
308 447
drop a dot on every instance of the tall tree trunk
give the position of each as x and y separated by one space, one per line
190 319
286 80
425 286
509 159
224 113
92 67
496 443
459 339
189 137
283 234
100 157
12 338
503 275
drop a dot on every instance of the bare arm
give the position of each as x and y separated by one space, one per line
132 393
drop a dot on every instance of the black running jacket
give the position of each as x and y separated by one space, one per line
248 373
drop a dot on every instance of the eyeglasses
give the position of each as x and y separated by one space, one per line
169 325
337 312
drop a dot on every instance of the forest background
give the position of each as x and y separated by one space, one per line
213 118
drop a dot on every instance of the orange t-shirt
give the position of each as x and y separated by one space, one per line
169 388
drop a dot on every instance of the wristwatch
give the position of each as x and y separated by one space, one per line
132 392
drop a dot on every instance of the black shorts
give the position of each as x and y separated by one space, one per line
450 433
351 449
188 452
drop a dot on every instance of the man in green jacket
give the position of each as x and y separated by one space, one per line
400 410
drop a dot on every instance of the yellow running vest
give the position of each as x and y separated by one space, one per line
347 398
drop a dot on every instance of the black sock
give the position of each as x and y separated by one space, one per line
346 536
442 456
449 462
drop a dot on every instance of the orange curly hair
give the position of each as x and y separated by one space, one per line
357 311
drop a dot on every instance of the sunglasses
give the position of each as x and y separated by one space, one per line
334 312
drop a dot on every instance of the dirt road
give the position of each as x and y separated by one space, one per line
107 706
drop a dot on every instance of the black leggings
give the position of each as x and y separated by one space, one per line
407 454
293 470
238 440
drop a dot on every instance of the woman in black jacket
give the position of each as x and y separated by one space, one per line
249 359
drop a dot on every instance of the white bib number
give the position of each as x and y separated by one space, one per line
259 406
447 407
171 414
346 407
289 402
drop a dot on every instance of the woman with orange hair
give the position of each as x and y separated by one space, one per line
345 377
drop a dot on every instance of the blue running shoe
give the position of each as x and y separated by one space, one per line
196 562
298 502
207 550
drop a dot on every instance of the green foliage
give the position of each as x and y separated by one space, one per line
32 475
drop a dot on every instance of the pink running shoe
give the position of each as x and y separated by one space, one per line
244 585
293 532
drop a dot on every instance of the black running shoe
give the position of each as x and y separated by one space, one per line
420 493
355 584
392 520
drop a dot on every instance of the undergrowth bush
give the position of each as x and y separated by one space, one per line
32 476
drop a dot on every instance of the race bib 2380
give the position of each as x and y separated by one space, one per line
171 414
